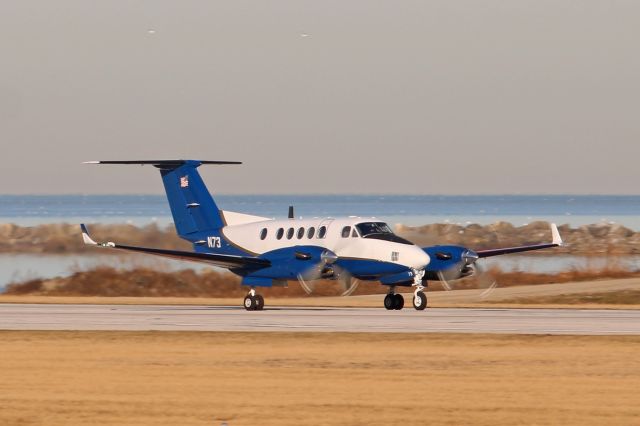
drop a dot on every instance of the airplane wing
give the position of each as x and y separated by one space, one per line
557 241
222 260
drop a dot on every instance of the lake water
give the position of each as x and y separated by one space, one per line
575 210
406 209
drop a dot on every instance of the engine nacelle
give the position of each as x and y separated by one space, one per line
449 262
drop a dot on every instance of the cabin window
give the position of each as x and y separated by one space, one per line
280 233
300 233
322 232
290 232
263 233
310 232
346 231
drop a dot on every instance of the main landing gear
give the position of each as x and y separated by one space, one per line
393 301
253 301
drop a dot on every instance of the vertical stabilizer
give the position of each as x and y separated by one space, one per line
192 206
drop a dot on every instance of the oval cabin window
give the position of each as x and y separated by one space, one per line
310 232
300 233
263 233
290 232
322 232
280 234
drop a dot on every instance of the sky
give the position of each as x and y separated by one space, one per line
331 96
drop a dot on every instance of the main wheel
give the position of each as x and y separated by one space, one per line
389 302
259 302
399 302
419 301
250 303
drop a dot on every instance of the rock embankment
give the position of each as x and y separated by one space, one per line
64 238
585 240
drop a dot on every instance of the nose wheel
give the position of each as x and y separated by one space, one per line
419 300
253 301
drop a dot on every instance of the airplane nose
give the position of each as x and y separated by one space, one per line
423 258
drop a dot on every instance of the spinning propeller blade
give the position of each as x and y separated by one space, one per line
327 267
484 280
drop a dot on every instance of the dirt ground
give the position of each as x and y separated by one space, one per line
166 378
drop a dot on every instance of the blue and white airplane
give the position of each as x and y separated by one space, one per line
266 252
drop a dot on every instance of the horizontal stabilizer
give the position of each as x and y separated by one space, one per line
165 164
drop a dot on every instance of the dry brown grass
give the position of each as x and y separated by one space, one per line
612 270
146 282
165 378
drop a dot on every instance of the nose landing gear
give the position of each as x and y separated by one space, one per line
419 298
253 301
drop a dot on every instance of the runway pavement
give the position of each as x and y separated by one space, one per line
212 318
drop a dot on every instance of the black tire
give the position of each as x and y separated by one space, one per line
389 302
420 301
399 302
259 302
250 303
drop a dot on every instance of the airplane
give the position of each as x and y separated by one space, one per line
268 252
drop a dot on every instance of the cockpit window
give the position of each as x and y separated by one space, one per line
368 228
379 231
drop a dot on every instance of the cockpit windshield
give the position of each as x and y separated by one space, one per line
379 231
368 228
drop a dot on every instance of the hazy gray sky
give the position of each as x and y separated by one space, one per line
459 97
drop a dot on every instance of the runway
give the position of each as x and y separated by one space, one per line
370 320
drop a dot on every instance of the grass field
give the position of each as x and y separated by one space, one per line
165 378
600 294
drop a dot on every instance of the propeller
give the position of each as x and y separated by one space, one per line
466 267
326 268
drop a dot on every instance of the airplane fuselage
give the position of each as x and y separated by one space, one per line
367 255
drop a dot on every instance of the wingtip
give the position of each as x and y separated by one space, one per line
557 239
91 162
85 236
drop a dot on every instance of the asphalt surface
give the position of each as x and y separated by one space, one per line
373 320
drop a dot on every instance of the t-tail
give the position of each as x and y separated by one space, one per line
192 206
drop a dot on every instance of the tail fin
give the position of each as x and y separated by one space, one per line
192 206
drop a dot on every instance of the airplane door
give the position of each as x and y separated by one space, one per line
327 224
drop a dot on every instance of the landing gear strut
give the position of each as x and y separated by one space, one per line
253 301
393 301
419 298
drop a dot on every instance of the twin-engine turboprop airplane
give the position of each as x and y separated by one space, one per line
267 252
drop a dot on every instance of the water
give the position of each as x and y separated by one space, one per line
575 210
